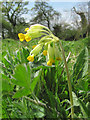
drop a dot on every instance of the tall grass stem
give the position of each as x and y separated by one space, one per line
69 82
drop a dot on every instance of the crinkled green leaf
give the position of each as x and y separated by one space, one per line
81 66
22 76
21 92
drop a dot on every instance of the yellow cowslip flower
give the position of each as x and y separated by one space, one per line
27 38
21 36
58 58
47 40
26 29
52 60
30 58
34 46
49 63
45 52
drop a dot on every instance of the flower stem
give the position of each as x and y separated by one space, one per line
69 82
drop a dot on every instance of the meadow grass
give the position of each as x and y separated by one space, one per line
48 84
74 46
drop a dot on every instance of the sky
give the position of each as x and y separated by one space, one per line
59 5
62 0
62 6
53 0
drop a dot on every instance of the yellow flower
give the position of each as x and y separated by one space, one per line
47 41
58 58
26 29
49 63
34 46
45 52
27 38
21 36
52 60
30 58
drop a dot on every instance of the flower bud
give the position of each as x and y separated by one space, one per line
57 53
50 52
45 39
38 26
37 30
37 49
35 33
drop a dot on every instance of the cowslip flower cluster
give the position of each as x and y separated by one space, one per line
47 41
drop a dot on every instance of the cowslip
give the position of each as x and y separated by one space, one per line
46 40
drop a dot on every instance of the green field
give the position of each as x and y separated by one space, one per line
44 59
74 46
34 90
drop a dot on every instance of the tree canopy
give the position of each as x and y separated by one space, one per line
44 14
12 17
14 21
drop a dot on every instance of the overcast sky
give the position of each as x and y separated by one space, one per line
53 0
62 6
69 0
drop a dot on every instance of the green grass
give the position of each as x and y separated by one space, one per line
16 44
47 84
74 46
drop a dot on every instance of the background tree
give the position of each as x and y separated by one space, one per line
77 28
44 14
12 20
65 31
81 12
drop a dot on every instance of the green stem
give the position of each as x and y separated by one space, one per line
69 82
